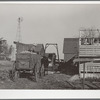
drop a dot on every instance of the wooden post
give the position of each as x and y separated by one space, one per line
83 75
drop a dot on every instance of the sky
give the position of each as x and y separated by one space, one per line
47 23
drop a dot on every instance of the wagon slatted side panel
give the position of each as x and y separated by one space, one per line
89 50
92 70
27 61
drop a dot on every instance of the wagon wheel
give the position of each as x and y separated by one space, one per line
15 73
42 71
36 72
12 72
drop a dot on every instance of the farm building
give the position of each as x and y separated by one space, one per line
85 49
70 50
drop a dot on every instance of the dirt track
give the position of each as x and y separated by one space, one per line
51 81
54 81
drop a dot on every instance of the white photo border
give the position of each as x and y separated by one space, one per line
49 94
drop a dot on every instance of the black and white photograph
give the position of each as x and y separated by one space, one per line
46 46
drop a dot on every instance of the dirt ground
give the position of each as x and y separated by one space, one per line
51 81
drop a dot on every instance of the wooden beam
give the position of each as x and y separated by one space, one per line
83 75
84 60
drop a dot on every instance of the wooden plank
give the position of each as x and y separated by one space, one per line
98 86
89 46
90 85
89 50
91 70
73 86
82 60
83 75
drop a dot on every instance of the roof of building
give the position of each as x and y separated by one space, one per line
70 45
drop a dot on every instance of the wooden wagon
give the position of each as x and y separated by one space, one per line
27 62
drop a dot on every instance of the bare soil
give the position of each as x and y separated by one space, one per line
50 81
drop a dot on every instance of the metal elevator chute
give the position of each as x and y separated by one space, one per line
52 44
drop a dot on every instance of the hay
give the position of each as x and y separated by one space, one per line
74 78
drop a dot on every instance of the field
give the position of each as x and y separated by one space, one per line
50 81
